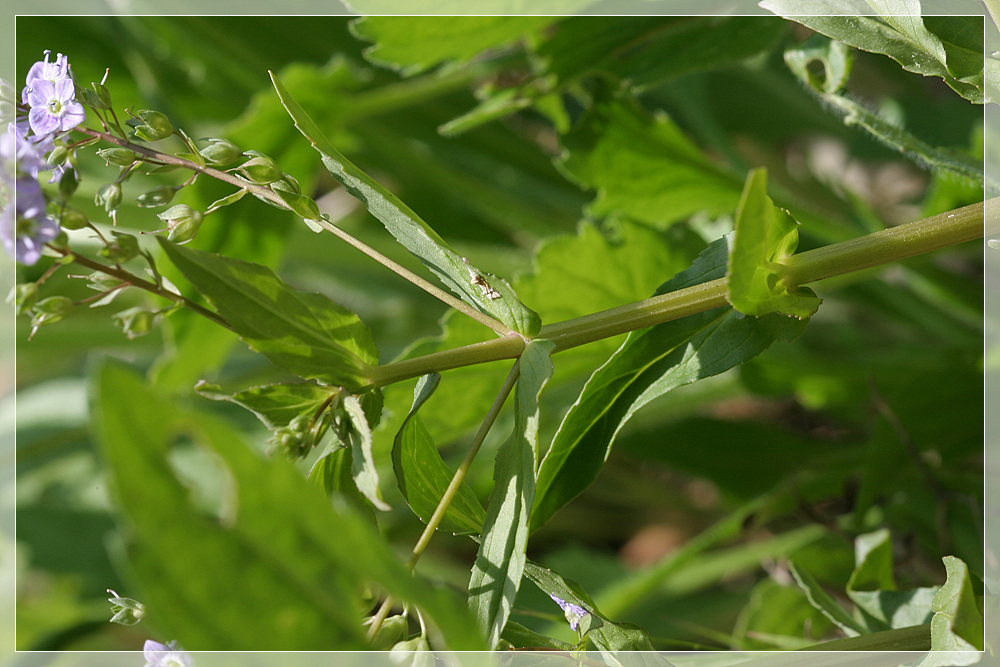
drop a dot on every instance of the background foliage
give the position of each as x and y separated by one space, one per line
588 161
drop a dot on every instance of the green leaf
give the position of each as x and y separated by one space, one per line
275 544
413 44
274 404
823 601
650 363
835 59
764 237
644 51
304 333
489 293
872 587
902 34
496 574
423 476
609 637
642 165
332 473
521 637
957 625
359 439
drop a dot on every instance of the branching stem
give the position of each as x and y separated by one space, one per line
882 247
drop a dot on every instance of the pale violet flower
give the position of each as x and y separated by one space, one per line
43 70
24 225
165 655
574 613
54 107
24 154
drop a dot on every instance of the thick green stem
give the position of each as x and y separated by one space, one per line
882 247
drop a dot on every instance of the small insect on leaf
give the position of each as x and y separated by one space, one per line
481 283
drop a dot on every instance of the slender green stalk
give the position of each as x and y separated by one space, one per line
889 245
270 195
152 288
452 490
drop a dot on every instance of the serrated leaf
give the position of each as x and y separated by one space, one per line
278 545
304 333
902 34
642 165
609 637
274 404
496 574
413 44
488 293
650 363
764 237
423 476
957 625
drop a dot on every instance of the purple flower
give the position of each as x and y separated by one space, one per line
43 70
24 226
53 106
574 613
23 154
168 655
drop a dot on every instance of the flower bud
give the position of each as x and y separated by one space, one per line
50 310
120 157
414 652
57 155
109 196
287 183
73 218
68 183
158 196
151 125
220 152
394 630
103 96
122 249
102 282
135 321
182 221
23 296
300 424
260 170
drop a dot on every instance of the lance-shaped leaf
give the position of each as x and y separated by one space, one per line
765 235
274 404
423 476
950 47
609 637
305 333
277 544
496 575
487 292
359 439
650 363
957 625
820 599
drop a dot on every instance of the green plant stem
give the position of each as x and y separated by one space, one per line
449 494
135 281
882 247
270 195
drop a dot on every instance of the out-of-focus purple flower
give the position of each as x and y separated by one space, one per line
24 225
574 613
53 106
43 70
165 655
23 154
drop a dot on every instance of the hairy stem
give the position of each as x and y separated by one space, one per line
882 247
265 192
